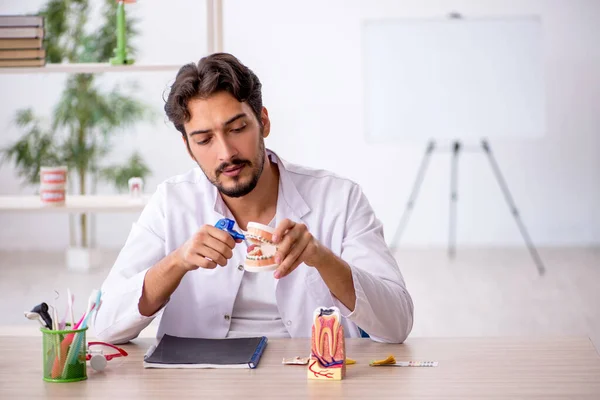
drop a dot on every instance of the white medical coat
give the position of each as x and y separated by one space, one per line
335 211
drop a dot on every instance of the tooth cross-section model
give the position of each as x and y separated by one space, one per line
328 350
261 253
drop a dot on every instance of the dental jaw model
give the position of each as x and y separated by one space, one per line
260 256
328 350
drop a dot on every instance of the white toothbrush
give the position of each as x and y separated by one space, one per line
93 304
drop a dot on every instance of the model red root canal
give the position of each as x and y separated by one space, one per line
261 252
328 350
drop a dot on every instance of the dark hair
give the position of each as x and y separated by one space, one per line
214 73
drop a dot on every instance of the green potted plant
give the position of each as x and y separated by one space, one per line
86 118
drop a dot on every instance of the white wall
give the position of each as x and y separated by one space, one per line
307 55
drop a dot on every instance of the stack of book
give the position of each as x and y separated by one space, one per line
21 39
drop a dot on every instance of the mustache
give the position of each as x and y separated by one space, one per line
232 163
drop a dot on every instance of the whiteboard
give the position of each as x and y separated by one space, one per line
453 78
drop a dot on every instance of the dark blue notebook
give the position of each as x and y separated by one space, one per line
178 352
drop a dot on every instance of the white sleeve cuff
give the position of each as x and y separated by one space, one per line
125 311
138 284
360 298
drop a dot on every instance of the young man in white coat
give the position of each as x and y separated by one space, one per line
331 249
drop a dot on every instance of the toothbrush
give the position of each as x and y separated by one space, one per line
61 358
68 311
93 302
55 323
70 300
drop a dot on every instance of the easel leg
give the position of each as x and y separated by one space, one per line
413 195
453 198
513 208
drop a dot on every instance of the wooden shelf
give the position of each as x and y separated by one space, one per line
88 68
74 204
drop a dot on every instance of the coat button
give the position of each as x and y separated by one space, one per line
241 267
288 323
227 317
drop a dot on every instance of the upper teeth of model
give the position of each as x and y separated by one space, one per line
259 238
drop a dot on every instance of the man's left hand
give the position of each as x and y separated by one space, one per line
295 245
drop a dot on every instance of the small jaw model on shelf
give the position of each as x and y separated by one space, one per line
328 350
260 256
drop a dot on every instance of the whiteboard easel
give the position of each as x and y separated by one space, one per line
458 79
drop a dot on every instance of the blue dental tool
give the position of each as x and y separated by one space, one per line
226 224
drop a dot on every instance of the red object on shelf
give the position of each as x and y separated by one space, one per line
53 184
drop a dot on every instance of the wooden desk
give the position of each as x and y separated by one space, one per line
475 368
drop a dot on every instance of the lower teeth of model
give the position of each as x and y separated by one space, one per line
258 258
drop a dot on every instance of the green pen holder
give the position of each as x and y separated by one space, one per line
64 355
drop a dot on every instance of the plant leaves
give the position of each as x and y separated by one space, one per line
135 166
85 119
36 148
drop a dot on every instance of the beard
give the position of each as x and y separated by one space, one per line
239 187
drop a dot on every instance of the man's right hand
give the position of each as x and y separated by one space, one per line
206 248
